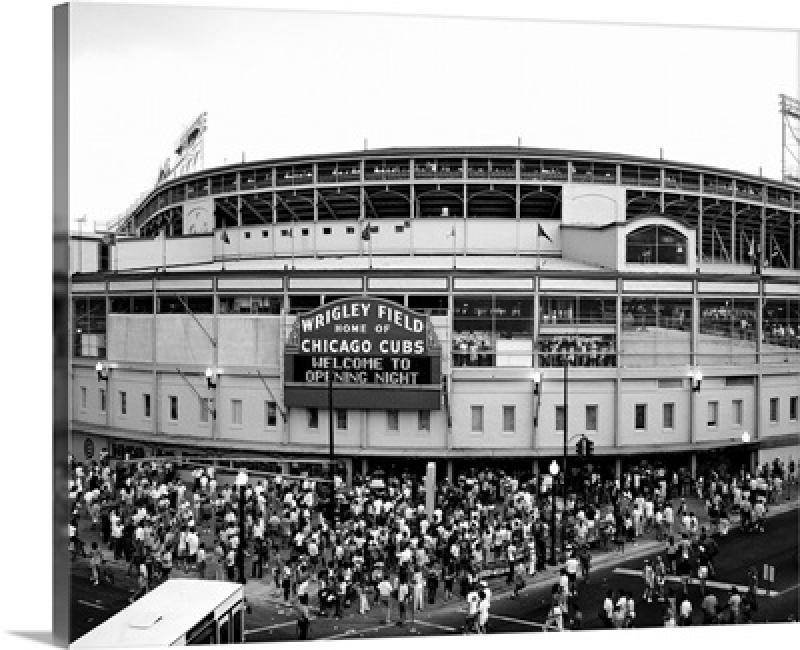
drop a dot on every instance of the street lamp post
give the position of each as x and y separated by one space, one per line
554 474
568 358
241 482
331 469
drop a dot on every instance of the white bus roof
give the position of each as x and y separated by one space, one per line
163 616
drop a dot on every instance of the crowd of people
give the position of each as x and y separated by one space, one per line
384 550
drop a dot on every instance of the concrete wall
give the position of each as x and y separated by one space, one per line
647 391
581 393
592 204
249 340
253 396
492 395
591 246
181 340
130 337
84 255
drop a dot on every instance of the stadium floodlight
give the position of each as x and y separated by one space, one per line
102 371
745 437
211 378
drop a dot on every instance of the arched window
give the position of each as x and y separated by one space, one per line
656 245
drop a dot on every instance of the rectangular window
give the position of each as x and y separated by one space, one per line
102 400
393 420
327 231
713 414
560 418
313 418
173 408
83 397
509 419
793 408
236 411
738 412
669 416
477 419
270 414
146 404
350 230
774 407
204 412
123 402
640 417
591 417
341 419
423 420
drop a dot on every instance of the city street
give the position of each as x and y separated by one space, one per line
777 546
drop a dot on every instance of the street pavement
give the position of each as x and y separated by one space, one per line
269 618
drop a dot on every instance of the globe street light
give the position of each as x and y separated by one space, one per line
241 482
554 473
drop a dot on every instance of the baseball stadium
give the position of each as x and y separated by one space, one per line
406 305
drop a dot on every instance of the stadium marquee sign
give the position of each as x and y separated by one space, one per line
375 353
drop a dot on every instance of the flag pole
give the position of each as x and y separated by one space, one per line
538 257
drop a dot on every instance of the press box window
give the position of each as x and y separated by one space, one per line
713 414
173 408
640 417
793 408
591 417
271 414
668 421
737 407
477 419
393 420
774 407
146 404
236 411
313 418
123 402
341 419
509 419
423 420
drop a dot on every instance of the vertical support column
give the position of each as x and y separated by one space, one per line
617 378
618 468
448 429
536 400
284 468
733 225
316 212
364 467
412 204
693 339
759 378
693 464
535 469
215 358
699 242
449 470
154 397
275 229
517 206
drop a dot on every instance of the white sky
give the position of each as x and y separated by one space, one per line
279 84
